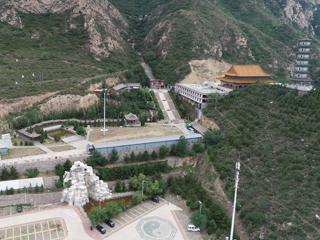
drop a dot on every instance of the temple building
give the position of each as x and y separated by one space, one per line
240 76
301 69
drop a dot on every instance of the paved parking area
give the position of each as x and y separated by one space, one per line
131 215
51 229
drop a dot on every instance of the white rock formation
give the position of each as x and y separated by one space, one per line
84 185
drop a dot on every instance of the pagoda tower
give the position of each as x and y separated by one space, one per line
301 69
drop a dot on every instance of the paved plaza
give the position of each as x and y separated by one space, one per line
51 229
148 221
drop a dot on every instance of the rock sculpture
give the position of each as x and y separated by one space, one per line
84 185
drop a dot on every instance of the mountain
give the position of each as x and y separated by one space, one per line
90 37
237 31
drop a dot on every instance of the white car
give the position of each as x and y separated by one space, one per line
193 228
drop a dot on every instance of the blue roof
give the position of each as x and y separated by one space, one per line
144 140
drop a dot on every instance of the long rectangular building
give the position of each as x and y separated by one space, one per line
144 143
197 94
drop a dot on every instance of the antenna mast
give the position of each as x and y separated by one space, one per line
235 197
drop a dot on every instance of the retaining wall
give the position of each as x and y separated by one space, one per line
48 164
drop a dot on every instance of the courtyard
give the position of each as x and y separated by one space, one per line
128 133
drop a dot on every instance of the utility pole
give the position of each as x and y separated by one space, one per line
235 198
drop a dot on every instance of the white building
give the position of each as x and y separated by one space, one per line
198 94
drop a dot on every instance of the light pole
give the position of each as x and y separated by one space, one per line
143 181
200 206
104 130
25 196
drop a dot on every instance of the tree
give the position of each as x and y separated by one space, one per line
36 189
127 158
114 156
218 234
132 157
142 120
81 131
41 188
197 147
164 151
212 137
146 156
154 155
67 165
14 173
31 172
5 173
59 169
96 214
21 143
199 220
139 156
182 147
118 187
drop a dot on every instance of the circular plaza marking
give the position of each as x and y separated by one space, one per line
156 228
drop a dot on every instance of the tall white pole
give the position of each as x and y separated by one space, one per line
104 114
235 198
25 196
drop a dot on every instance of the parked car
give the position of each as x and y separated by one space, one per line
101 229
155 199
110 223
19 208
193 228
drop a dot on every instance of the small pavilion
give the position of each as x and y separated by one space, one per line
132 119
240 76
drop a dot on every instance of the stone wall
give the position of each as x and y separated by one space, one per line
34 199
48 164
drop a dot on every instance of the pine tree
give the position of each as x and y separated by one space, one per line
154 155
146 156
41 188
132 157
36 189
14 173
4 174
127 158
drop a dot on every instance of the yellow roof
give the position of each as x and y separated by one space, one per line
244 80
246 71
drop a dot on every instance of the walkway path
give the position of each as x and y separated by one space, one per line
166 104
147 69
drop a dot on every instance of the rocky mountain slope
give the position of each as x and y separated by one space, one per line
103 22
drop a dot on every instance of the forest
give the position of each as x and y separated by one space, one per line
274 133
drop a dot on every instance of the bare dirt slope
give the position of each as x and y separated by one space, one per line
17 105
208 123
69 101
206 70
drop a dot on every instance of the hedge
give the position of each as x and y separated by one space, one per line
125 172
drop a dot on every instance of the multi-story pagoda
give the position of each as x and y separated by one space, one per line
240 76
301 69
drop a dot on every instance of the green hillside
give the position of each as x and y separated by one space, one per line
276 134
47 44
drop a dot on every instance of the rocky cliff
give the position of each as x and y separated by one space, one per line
103 22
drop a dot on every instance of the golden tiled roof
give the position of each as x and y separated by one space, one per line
244 80
246 71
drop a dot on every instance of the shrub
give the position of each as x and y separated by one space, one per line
114 156
146 156
4 174
132 157
36 189
14 173
191 153
67 165
31 172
